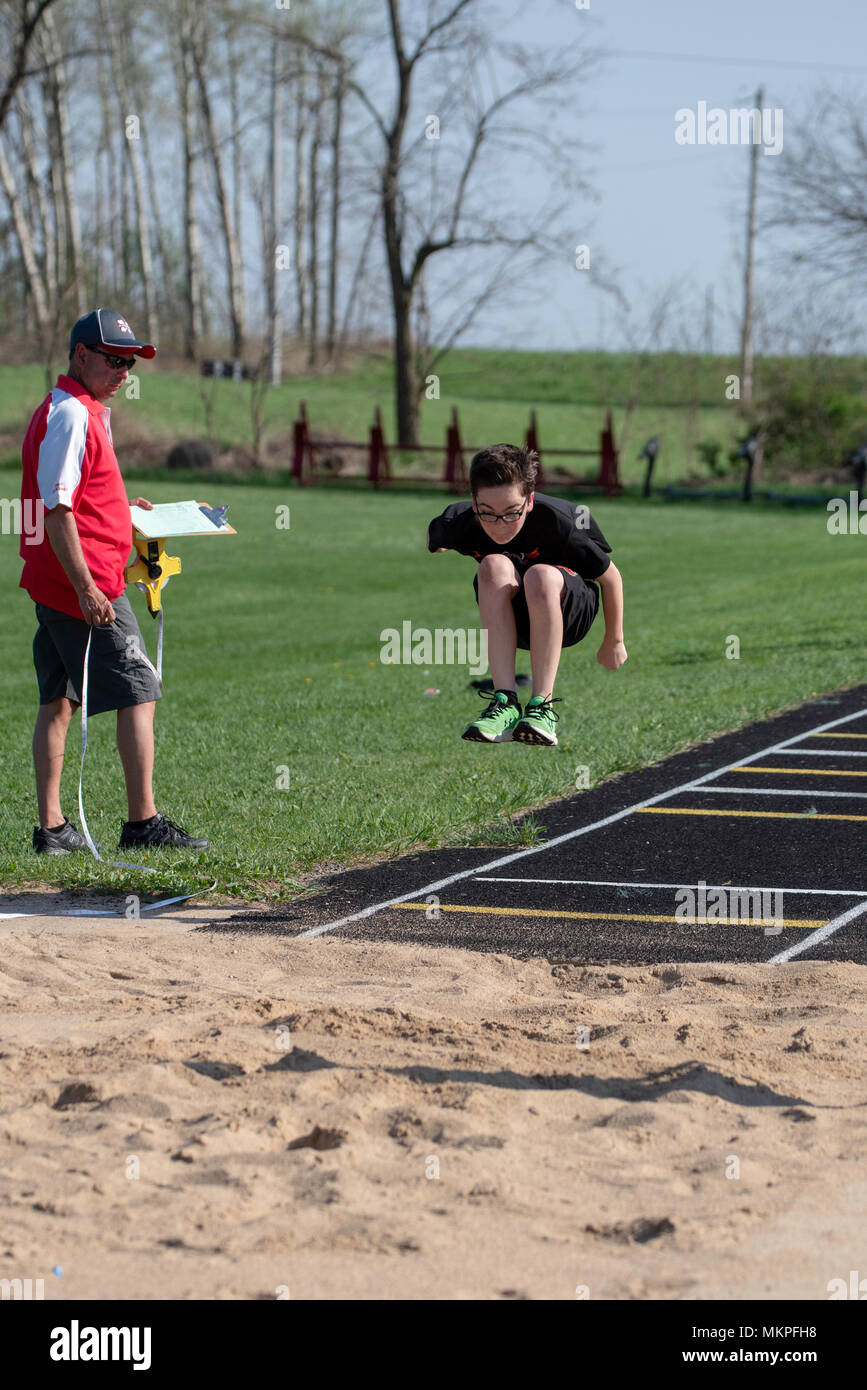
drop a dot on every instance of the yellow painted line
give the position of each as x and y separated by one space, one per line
800 771
835 735
773 815
592 916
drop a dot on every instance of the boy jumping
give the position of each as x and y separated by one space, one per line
540 560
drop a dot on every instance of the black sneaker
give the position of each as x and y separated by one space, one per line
62 841
159 833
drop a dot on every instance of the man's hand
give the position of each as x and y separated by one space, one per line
142 502
611 654
95 607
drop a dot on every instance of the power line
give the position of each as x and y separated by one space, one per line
738 62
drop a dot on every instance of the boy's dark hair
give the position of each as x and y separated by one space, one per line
502 464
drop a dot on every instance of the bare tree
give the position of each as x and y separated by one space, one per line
334 238
233 67
62 168
26 17
301 172
818 186
273 268
26 246
39 218
454 225
192 280
313 210
199 48
136 167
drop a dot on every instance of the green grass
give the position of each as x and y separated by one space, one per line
272 661
493 390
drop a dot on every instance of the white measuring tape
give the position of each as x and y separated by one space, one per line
120 863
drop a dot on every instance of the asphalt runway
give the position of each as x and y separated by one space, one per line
749 847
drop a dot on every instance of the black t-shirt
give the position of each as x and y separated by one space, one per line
554 533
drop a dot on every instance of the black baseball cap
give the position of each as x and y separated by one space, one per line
105 328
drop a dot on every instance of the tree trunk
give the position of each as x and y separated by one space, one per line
58 209
746 399
313 224
233 251
25 245
300 203
406 400
137 172
192 242
406 396
110 229
357 278
38 200
237 154
273 272
58 88
335 216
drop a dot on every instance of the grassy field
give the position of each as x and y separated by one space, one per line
679 398
272 673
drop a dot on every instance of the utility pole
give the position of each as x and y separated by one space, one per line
747 327
708 319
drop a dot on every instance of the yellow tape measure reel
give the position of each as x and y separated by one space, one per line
152 569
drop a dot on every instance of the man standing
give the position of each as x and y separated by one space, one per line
75 575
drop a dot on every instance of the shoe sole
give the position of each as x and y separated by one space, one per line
149 844
533 736
475 737
72 849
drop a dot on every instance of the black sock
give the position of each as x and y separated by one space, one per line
512 695
54 828
140 824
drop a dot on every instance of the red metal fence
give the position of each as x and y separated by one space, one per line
455 472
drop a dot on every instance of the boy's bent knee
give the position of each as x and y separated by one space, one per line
542 580
497 569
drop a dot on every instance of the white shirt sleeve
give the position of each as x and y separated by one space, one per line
61 452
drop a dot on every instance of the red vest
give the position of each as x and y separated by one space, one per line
76 457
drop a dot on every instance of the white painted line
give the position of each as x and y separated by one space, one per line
822 753
821 934
775 791
728 887
570 835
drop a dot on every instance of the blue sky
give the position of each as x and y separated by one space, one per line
666 211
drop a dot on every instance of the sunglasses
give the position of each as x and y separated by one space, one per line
112 359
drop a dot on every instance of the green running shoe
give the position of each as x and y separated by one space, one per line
537 726
494 724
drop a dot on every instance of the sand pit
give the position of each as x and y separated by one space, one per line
198 1115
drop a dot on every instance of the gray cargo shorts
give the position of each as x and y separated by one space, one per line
119 672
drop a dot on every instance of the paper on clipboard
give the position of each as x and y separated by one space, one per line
175 519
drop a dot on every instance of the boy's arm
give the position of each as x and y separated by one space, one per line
436 534
612 652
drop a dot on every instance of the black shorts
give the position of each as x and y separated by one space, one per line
119 672
580 604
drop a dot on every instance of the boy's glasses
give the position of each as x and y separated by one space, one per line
111 359
507 517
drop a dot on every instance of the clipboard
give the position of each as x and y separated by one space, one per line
172 519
